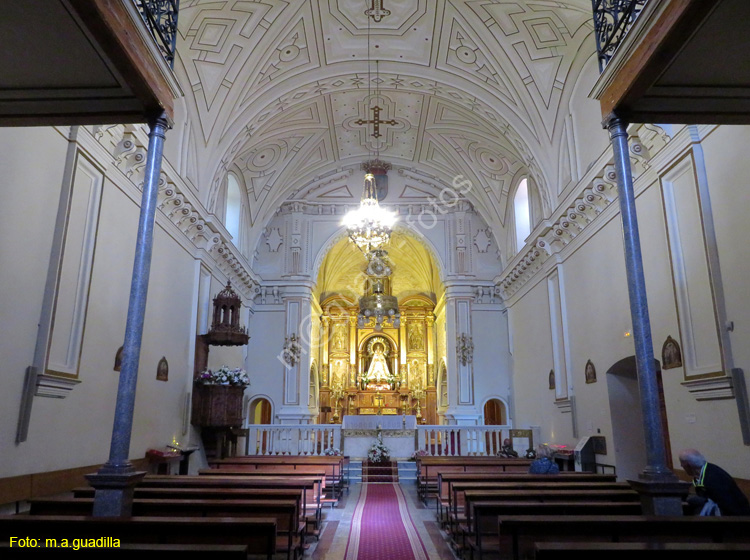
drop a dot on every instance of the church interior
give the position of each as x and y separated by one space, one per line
499 297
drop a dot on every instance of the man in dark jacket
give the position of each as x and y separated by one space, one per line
714 483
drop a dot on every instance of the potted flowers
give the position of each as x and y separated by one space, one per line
379 453
217 399
224 376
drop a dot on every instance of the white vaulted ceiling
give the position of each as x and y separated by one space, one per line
477 88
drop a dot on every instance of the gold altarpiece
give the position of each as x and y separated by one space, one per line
369 372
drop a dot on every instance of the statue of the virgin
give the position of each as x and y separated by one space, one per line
378 371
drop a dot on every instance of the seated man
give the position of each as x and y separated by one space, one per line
713 483
507 449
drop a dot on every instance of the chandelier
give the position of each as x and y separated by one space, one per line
369 226
378 304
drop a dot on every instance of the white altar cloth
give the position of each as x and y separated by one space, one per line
372 421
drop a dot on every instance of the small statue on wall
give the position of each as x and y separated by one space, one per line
590 372
671 355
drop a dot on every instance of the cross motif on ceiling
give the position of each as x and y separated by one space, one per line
376 122
376 11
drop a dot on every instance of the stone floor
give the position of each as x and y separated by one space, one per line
337 522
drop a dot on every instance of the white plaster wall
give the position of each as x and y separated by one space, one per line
76 431
267 331
492 367
532 360
31 190
598 315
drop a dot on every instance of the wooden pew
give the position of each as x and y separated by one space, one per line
281 470
457 487
128 551
447 479
480 534
429 467
519 533
289 538
310 485
643 550
462 525
334 465
258 535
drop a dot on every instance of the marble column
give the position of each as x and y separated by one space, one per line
115 481
661 493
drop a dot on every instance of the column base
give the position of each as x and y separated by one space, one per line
114 493
661 497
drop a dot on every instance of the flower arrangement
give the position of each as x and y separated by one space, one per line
224 376
379 453
417 454
333 452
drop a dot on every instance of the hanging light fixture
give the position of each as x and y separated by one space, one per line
370 226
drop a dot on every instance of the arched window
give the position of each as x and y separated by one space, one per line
522 213
233 209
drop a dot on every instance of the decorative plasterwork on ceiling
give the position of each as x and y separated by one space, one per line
471 87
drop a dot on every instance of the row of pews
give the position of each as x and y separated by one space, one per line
494 509
249 507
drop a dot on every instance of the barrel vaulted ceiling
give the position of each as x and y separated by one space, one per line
478 88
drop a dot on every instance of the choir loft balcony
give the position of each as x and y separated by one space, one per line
86 61
674 61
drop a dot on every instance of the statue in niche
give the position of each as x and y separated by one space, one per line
415 374
339 371
378 371
416 340
339 337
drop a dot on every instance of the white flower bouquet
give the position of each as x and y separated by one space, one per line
224 376
379 453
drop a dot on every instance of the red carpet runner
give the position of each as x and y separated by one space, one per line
382 528
379 472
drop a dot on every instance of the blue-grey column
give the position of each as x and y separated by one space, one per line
656 467
114 481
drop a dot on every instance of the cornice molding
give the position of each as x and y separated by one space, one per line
126 147
591 197
710 389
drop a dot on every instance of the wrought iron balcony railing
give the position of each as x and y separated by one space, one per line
612 19
161 18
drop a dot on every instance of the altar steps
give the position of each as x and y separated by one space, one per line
386 471
407 472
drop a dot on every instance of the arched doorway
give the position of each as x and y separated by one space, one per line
494 413
627 424
261 413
